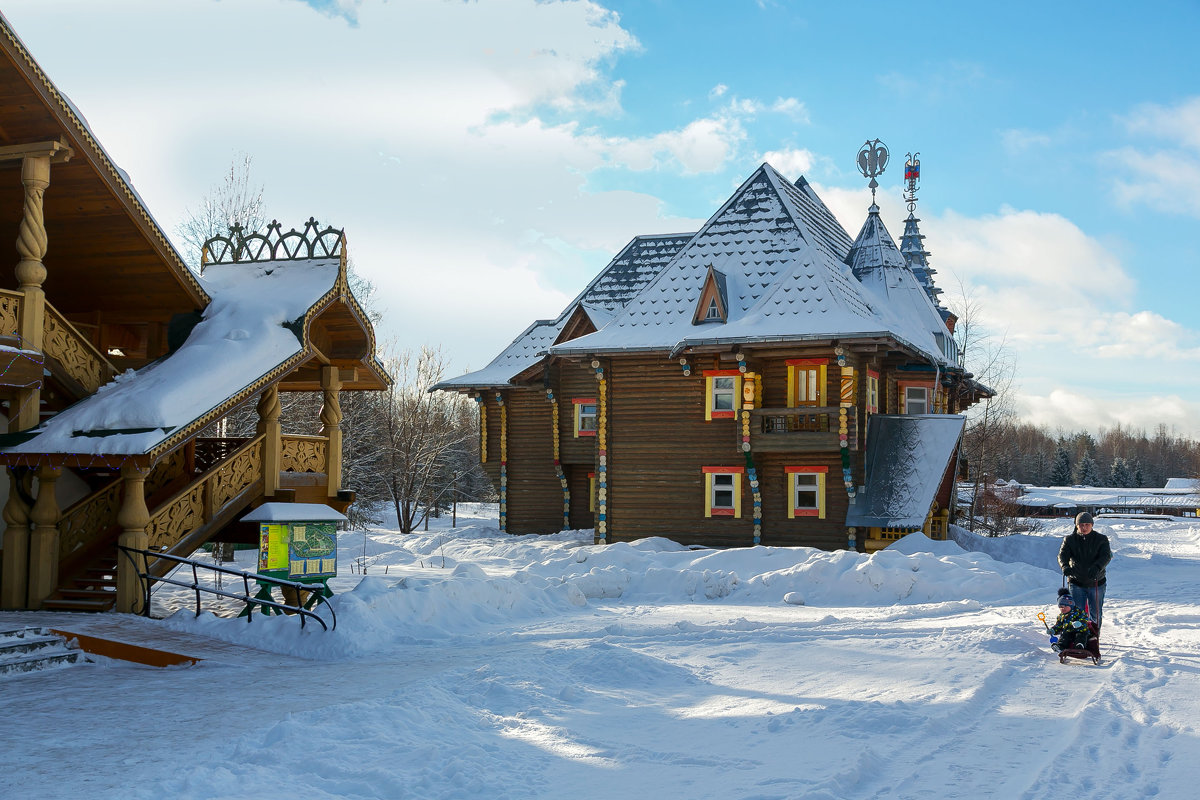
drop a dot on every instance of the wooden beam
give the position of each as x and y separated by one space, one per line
56 150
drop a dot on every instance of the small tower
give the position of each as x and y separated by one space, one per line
912 243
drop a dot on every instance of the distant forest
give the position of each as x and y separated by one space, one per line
1119 458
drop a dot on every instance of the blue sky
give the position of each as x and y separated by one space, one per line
487 158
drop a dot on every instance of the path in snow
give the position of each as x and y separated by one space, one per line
502 676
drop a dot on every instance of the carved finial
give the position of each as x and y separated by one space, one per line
912 177
872 161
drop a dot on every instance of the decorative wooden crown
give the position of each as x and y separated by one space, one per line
312 242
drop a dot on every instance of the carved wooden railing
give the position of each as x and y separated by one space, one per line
90 518
200 502
75 352
212 450
303 453
96 515
799 430
10 312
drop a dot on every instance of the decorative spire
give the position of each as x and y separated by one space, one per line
912 245
872 161
912 177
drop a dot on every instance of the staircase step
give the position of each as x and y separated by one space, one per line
40 661
79 604
87 593
26 644
33 648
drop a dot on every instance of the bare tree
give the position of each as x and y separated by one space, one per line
423 436
987 357
236 200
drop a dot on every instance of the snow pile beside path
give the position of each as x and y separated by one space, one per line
914 570
492 581
1039 551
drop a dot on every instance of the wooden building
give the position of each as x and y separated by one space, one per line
766 379
117 357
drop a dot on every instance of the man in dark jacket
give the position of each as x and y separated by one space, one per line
1084 558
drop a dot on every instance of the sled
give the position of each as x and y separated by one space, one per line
1092 652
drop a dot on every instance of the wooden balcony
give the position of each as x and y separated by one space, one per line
73 358
810 429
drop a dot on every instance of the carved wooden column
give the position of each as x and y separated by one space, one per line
31 274
331 422
14 581
133 518
43 542
268 423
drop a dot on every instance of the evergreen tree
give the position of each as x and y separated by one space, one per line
1119 474
1086 473
1060 473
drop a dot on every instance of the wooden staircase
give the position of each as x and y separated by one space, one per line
93 588
187 509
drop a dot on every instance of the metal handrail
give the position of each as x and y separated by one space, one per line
246 598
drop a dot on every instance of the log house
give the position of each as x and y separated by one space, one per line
765 380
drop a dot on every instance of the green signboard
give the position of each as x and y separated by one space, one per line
300 551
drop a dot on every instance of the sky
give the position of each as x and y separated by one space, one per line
488 158
470 663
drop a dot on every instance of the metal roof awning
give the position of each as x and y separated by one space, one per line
906 459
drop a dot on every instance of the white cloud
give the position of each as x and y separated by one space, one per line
717 91
1073 411
792 107
793 162
1167 178
1016 141
420 129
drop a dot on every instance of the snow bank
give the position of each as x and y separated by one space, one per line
427 587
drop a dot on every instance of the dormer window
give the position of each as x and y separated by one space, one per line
712 305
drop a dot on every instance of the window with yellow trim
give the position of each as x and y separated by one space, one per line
723 491
585 416
723 391
806 491
806 381
872 392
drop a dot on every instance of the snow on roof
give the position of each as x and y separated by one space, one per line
1186 484
781 252
242 336
901 299
294 512
635 266
906 459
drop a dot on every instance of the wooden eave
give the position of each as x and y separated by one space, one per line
105 254
578 324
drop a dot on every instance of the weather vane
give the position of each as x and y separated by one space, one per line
872 161
912 177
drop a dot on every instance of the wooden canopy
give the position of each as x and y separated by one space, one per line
108 262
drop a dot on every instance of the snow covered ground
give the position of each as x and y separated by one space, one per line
470 664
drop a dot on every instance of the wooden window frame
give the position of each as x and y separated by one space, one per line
579 403
794 509
710 487
808 365
711 411
872 392
902 388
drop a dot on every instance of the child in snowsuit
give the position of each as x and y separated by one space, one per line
1070 629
